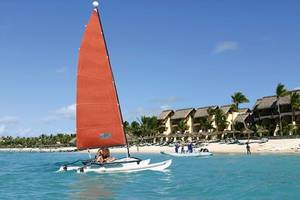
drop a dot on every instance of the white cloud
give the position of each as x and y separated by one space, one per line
2 129
7 124
167 100
141 111
165 107
150 111
8 120
67 112
61 70
297 88
24 132
226 46
157 105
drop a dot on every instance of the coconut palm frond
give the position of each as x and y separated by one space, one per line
281 91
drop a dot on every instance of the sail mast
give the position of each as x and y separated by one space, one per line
96 4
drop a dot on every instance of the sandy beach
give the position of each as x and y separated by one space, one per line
272 146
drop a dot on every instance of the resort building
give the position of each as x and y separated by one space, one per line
244 119
263 117
265 112
200 120
203 121
165 121
185 116
231 115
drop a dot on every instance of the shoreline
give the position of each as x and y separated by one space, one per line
273 146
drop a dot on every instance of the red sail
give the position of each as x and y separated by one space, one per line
99 121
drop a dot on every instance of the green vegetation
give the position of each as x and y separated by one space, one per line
295 103
280 92
238 98
220 119
37 142
149 127
206 123
182 127
143 127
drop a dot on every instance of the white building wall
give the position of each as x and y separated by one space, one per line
168 125
190 124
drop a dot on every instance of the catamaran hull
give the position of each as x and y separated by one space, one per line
194 154
130 167
123 168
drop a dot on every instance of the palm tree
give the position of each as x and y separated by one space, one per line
149 125
220 119
205 123
280 92
238 98
135 129
290 128
182 127
260 130
295 103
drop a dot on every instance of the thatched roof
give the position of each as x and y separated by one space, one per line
182 113
266 102
241 118
211 133
164 114
271 101
202 112
285 100
257 103
73 141
225 108
244 110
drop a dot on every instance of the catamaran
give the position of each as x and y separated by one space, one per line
99 120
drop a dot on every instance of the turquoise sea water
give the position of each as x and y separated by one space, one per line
32 176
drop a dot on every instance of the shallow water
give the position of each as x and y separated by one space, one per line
33 176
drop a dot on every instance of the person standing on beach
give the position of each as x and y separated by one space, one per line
248 149
190 147
176 147
182 148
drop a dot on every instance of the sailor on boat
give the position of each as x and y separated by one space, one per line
103 156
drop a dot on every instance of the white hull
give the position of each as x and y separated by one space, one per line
194 154
124 167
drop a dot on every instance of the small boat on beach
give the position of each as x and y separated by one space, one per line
99 122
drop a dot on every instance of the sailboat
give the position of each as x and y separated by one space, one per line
99 121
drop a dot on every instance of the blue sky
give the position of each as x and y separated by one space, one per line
165 54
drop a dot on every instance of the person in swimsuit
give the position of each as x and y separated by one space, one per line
103 156
248 149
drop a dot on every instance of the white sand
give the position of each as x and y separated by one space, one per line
272 146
